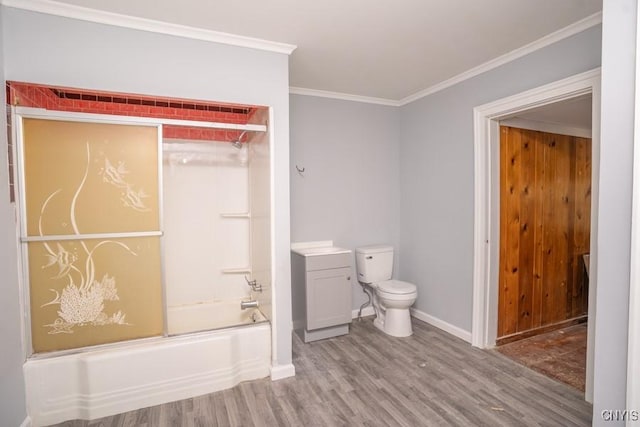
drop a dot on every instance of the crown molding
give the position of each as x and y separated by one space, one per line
343 96
549 39
109 18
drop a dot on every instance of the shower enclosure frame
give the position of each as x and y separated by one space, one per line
17 114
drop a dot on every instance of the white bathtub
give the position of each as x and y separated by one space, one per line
209 315
144 373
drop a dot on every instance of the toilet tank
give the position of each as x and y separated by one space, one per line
374 263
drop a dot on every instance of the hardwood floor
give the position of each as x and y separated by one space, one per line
367 378
559 354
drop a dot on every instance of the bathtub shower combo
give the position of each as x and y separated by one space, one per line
146 260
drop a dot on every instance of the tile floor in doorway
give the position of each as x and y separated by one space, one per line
559 354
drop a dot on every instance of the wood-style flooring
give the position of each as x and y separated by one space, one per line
559 354
367 378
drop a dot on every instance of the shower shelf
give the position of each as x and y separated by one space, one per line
236 215
236 271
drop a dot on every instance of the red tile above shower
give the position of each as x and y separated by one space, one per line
123 104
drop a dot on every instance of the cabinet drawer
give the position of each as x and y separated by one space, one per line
323 262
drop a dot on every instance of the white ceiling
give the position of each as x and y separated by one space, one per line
381 48
575 112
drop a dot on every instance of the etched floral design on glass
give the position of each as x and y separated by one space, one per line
82 299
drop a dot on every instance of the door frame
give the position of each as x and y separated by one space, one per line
487 201
633 351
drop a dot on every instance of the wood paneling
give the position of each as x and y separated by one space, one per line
545 218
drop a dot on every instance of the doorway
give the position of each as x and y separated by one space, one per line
545 212
487 207
545 221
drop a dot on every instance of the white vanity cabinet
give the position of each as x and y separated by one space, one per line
321 292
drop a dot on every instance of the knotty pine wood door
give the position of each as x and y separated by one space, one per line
545 220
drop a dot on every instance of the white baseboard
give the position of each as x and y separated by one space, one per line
441 324
367 311
279 372
421 315
26 422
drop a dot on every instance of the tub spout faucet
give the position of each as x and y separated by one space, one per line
253 284
248 304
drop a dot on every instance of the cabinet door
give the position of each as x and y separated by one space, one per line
328 297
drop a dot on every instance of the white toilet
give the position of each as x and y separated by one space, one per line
392 298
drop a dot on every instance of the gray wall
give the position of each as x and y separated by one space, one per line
349 191
12 399
436 172
59 51
614 207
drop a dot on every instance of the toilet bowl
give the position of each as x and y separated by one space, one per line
393 317
391 298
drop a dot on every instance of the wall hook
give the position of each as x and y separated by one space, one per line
300 171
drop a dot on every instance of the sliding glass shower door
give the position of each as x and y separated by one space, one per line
90 230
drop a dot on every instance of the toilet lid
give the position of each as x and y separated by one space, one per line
396 287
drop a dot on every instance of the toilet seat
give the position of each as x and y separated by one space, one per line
396 287
387 296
